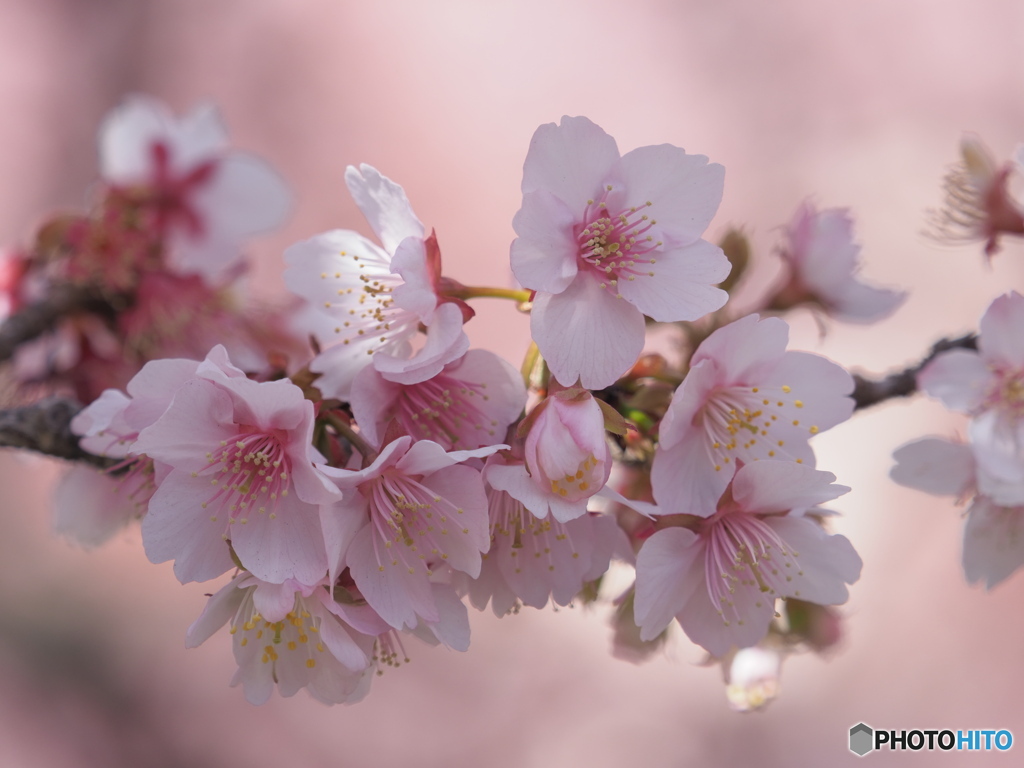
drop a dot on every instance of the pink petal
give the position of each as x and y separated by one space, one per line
959 378
826 563
705 626
586 333
1001 339
685 190
765 487
746 348
218 611
993 542
399 597
416 294
571 160
446 341
684 479
468 531
178 528
935 466
287 546
544 256
669 568
680 283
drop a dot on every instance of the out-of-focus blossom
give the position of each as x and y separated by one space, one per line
823 263
993 545
531 560
566 457
415 511
745 399
376 297
467 405
721 578
988 384
207 198
605 240
978 205
291 636
752 678
242 470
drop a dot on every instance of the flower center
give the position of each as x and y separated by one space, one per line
250 473
752 423
445 410
298 633
744 552
586 481
412 522
367 315
616 244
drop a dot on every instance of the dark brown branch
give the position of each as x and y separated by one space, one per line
36 319
45 427
868 392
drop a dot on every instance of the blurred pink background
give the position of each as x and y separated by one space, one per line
854 104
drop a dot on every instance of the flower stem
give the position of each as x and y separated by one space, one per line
484 291
353 437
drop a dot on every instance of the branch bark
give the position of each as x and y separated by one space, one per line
868 392
34 320
45 427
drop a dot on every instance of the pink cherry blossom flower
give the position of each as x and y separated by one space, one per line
566 458
291 636
993 546
744 399
372 299
208 199
978 205
988 384
721 579
823 262
531 560
467 405
242 470
415 511
605 240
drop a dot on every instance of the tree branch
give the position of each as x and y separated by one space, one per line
34 320
868 392
45 427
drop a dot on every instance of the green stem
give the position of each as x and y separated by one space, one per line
530 363
483 291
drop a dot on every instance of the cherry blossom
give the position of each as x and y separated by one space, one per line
978 205
566 457
414 512
605 240
531 559
291 636
988 384
823 261
746 398
993 545
371 300
761 541
242 470
469 404
208 198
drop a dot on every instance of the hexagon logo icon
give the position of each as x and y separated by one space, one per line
861 739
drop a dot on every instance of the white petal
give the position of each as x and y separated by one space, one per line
384 205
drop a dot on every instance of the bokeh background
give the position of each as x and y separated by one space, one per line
858 105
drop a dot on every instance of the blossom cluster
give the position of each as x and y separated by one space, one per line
375 484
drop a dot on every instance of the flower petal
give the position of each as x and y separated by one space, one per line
586 333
